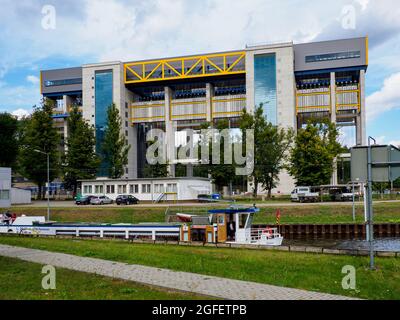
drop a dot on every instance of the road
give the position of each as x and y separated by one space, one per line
69 204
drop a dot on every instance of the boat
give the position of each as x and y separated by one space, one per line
232 225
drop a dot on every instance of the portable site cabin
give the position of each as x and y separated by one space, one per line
149 189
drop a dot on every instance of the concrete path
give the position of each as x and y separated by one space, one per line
183 281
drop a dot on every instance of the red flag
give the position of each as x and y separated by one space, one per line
278 216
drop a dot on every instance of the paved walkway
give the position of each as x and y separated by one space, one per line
184 281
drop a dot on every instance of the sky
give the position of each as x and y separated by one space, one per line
38 35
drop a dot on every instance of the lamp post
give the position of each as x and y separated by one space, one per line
48 181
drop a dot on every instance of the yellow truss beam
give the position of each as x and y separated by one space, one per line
229 62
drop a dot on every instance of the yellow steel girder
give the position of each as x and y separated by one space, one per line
185 67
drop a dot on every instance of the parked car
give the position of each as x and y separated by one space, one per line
126 199
101 200
209 198
345 196
83 200
304 194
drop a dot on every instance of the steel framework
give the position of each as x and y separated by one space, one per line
185 67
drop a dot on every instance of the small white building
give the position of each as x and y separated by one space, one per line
5 187
157 189
20 196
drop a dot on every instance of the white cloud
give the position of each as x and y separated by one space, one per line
386 99
20 113
32 79
395 143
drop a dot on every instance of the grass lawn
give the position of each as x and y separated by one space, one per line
20 280
297 270
384 212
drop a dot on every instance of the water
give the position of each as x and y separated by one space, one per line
380 244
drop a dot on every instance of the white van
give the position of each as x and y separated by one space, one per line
304 194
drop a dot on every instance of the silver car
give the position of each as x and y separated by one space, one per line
101 200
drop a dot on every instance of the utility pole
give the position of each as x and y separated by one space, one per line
370 214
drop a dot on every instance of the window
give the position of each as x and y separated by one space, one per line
121 188
4 194
87 189
265 85
159 188
99 189
333 56
110 189
146 188
54 83
103 99
133 188
172 187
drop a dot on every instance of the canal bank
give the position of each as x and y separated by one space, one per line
382 247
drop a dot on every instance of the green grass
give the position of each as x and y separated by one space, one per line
297 270
20 280
384 212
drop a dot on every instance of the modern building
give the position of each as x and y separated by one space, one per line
10 195
294 82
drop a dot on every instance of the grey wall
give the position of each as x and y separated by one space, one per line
325 47
5 184
61 74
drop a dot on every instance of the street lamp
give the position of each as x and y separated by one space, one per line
48 181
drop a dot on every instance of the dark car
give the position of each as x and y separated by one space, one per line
83 200
209 198
126 199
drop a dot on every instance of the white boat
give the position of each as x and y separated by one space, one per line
242 219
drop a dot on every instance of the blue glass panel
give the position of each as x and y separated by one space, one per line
265 85
103 99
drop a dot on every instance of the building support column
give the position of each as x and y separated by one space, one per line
209 96
170 128
334 179
361 134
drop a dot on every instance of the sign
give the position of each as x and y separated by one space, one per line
385 163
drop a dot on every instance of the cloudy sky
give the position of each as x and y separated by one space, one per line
100 30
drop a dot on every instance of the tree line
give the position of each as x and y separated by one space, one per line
307 156
25 144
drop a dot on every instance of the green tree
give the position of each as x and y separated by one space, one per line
8 140
396 183
80 160
157 170
314 152
114 148
39 134
222 174
271 145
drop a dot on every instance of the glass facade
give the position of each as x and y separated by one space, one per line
265 85
103 99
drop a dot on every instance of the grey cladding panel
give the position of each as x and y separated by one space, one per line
61 74
302 51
